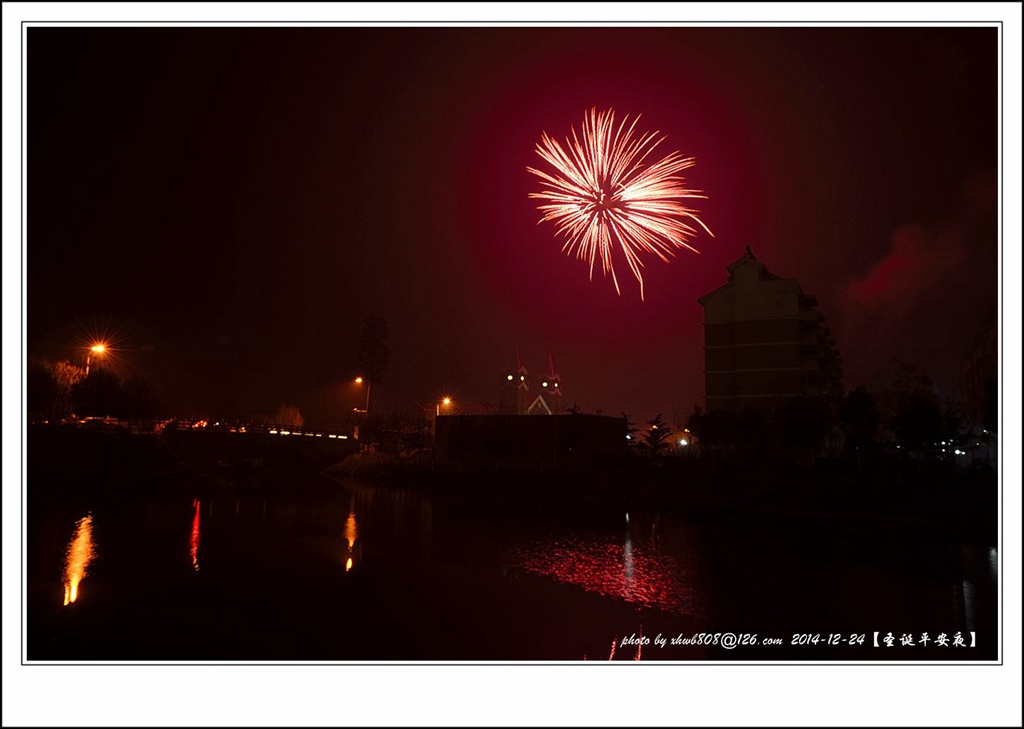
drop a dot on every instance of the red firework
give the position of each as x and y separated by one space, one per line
604 194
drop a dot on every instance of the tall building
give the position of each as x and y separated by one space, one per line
765 342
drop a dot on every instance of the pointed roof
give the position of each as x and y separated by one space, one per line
747 259
539 400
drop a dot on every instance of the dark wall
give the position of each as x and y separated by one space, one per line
529 441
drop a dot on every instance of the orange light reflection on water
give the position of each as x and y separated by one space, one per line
80 552
351 530
351 535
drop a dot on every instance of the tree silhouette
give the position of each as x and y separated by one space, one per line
859 418
751 429
631 430
50 386
990 405
918 423
41 389
713 428
803 423
680 418
288 415
656 436
912 409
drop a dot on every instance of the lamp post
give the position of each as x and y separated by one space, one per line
444 402
99 349
360 381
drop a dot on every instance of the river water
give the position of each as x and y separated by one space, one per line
243 568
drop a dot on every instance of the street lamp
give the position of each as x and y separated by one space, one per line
437 408
359 381
99 349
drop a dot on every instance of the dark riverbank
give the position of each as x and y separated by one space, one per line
884 492
894 494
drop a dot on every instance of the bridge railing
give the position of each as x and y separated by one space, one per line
262 428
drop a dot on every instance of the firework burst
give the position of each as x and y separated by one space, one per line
608 194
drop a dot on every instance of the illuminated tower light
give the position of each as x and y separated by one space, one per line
550 383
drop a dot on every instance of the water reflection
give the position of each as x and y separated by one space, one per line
351 530
979 570
615 643
389 522
194 540
351 534
634 569
80 553
628 569
560 586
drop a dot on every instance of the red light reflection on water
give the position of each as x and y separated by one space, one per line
194 540
615 642
632 572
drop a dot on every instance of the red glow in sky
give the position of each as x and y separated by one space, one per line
238 200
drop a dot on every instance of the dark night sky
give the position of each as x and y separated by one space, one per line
228 204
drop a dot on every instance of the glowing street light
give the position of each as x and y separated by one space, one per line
359 381
437 409
98 349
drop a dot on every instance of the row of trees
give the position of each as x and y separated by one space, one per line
907 414
61 389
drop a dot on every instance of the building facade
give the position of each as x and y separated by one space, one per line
500 442
766 343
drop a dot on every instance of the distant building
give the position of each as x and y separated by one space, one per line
529 430
765 343
513 397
